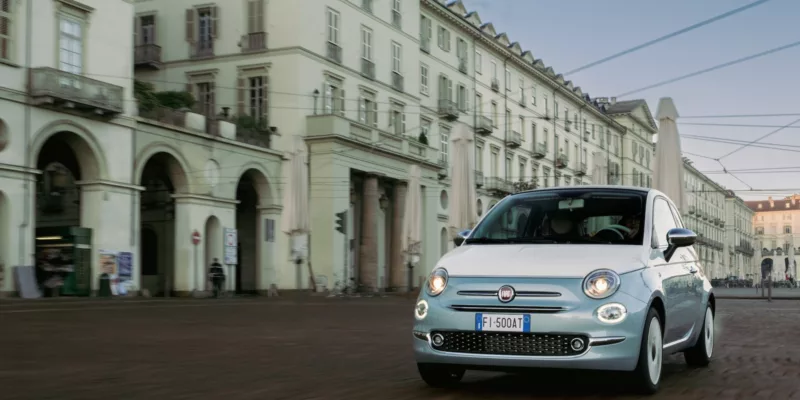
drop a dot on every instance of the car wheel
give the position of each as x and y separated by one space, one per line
651 353
700 354
440 375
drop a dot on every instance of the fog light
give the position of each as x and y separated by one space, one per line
577 344
612 313
421 310
438 340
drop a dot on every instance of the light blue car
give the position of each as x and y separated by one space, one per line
586 277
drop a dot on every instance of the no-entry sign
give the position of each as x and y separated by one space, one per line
195 238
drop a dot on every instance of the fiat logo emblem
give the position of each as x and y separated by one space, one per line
506 294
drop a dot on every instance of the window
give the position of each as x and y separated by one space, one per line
461 98
787 228
333 97
508 80
522 91
146 32
461 50
522 169
205 32
423 79
70 45
366 43
478 62
533 95
444 39
479 104
255 16
444 143
555 109
663 221
205 99
494 162
545 176
585 158
479 157
533 216
425 33
445 88
368 109
507 171
397 52
334 21
397 119
546 105
494 70
425 127
508 121
6 29
258 98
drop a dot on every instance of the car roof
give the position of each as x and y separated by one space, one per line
620 188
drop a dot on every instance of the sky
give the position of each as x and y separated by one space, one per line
568 34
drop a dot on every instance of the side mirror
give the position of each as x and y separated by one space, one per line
460 236
677 238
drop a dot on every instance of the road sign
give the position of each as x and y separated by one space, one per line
231 246
195 238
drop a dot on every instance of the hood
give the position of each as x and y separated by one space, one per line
540 260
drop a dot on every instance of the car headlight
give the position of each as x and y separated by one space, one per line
437 282
601 283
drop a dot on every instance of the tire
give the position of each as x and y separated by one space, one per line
647 374
700 354
440 376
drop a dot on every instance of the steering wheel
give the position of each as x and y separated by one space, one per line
609 233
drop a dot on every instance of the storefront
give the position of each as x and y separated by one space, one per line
63 261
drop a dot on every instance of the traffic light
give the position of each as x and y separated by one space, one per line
341 222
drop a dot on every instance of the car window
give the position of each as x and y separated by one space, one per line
663 221
677 216
565 216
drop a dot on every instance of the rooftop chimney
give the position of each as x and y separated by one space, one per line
613 101
771 202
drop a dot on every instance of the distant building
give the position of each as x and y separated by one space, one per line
777 223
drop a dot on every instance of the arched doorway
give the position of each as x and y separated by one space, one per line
213 248
162 176
63 216
251 192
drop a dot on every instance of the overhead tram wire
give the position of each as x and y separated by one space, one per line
669 36
710 69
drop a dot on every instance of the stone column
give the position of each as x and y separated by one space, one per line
368 268
397 269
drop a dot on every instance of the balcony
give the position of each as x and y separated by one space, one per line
202 49
448 109
397 19
443 170
334 52
587 136
568 126
581 170
513 139
539 150
478 178
462 65
484 126
397 81
368 68
692 210
497 185
254 41
66 91
346 130
495 85
521 186
561 161
147 56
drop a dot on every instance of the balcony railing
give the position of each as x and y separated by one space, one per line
581 170
334 52
397 19
562 160
368 68
165 116
484 125
462 65
49 86
397 81
539 150
478 178
202 49
254 41
448 109
366 5
513 139
147 56
496 184
495 84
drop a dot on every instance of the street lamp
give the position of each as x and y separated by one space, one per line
384 202
316 94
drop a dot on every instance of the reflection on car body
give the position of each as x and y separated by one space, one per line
587 277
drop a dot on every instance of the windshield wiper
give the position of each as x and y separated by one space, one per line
508 241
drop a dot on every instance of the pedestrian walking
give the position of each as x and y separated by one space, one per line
217 275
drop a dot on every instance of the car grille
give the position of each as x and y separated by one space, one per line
504 343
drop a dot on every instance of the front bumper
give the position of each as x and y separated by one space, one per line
610 347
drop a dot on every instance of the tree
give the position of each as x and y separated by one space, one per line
149 99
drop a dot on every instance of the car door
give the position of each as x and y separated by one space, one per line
695 268
674 273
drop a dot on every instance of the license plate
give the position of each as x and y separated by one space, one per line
502 322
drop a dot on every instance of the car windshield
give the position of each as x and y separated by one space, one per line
569 216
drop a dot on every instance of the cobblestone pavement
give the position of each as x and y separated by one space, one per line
319 348
753 293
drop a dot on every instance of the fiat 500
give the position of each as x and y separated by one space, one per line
599 278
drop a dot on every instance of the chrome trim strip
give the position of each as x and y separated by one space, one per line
679 341
492 293
604 341
528 309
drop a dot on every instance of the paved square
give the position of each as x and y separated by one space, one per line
320 348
